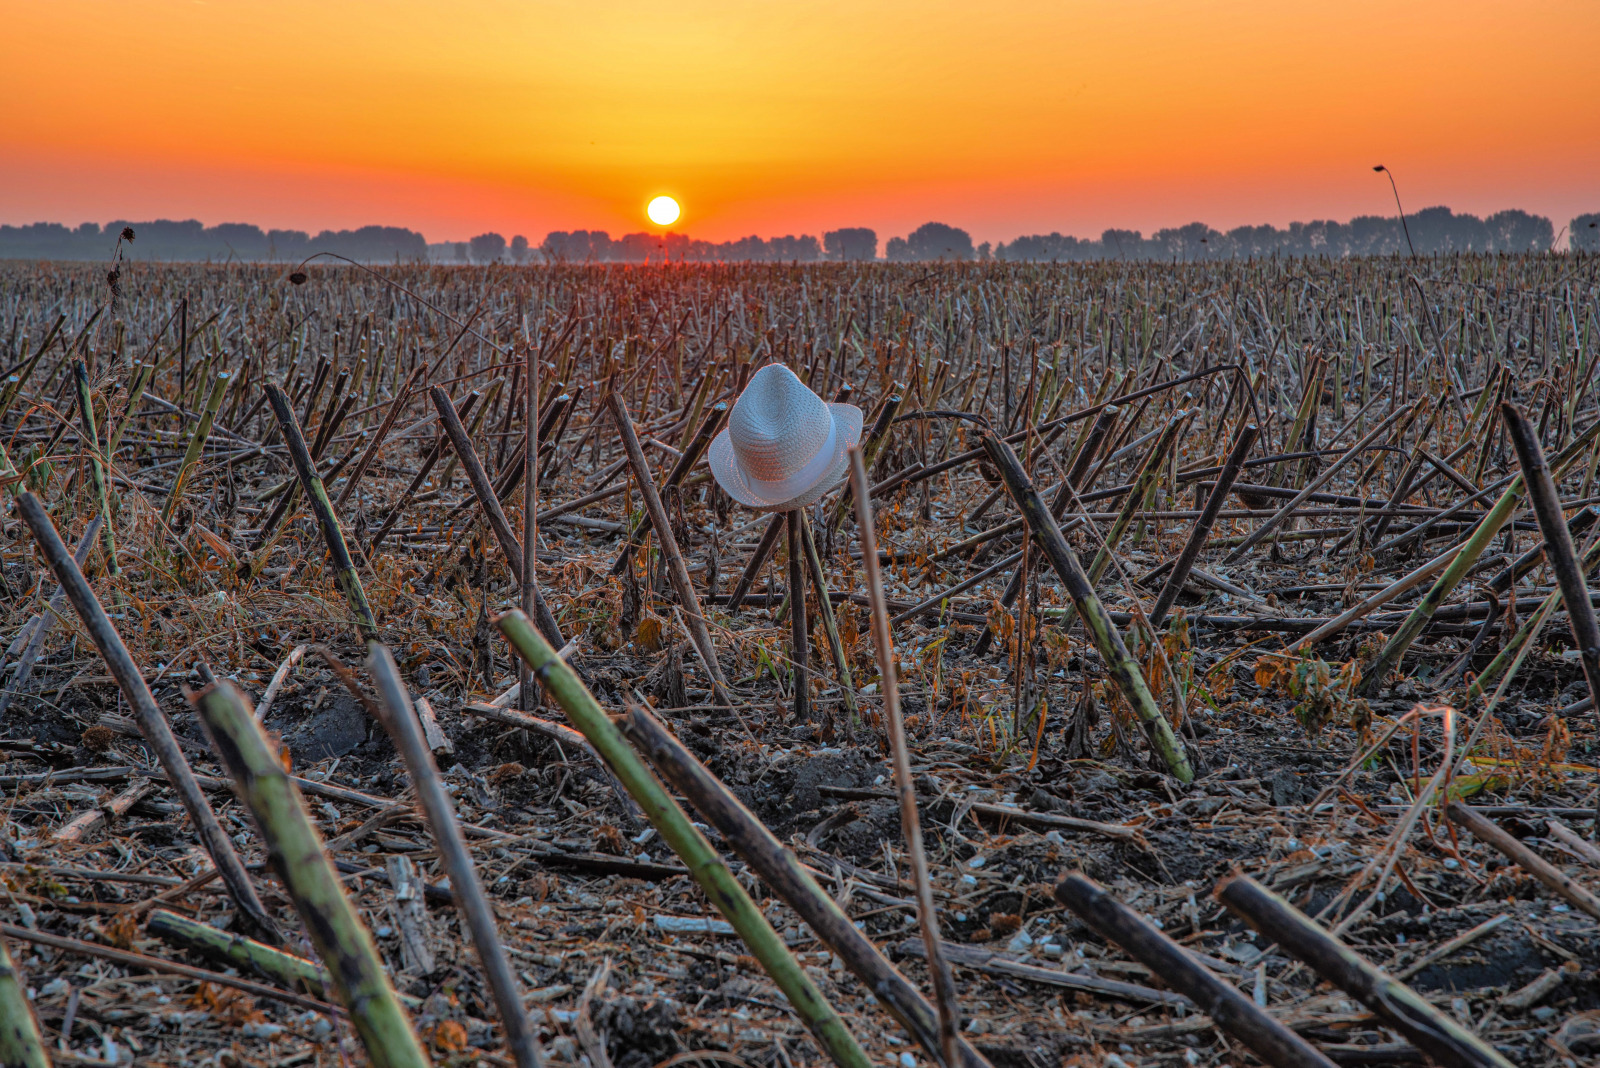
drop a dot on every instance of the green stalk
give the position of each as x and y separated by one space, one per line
1142 487
20 1045
237 951
297 854
1375 674
136 387
680 834
1308 402
1102 632
1511 655
8 472
332 533
197 443
97 464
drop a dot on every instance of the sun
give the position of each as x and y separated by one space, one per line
663 211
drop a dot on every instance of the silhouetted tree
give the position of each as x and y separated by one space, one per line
850 244
519 249
1517 231
1185 243
1122 244
579 246
936 241
1583 233
488 248
792 249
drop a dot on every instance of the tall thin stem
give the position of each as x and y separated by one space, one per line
944 986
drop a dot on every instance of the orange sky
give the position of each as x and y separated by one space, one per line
765 117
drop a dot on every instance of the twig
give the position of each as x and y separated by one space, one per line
197 444
680 469
277 681
401 395
799 630
1315 484
490 503
841 662
763 550
1460 941
236 951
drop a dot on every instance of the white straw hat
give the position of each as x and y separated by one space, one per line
784 446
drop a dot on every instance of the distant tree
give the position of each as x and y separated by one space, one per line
1046 248
242 240
288 244
639 248
519 249
1122 244
579 246
895 250
936 241
488 248
1374 235
1185 243
985 252
1583 233
1438 229
851 244
374 243
750 249
1515 230
791 249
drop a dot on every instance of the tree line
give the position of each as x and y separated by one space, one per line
190 239
1432 231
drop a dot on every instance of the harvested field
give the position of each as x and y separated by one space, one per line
1348 655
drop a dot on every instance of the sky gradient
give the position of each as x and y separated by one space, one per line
763 117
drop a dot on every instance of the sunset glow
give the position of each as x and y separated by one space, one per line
455 118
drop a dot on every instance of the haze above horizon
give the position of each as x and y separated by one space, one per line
1031 117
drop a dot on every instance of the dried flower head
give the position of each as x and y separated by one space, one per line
98 738
127 233
297 278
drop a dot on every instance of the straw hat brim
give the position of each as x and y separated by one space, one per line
730 476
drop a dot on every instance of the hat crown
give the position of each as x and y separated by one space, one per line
777 425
